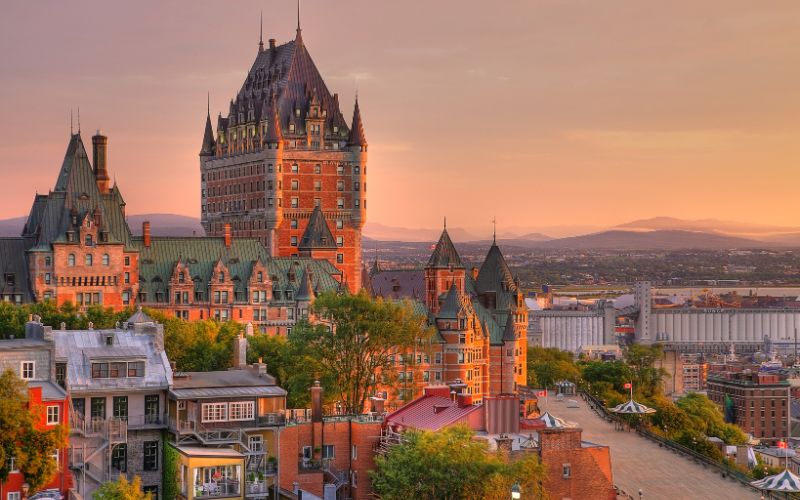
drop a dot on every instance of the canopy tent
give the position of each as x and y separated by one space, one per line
785 481
632 408
551 422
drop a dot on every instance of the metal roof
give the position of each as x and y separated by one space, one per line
228 392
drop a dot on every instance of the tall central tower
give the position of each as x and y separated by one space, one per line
283 149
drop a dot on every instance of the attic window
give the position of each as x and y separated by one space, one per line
10 279
88 240
109 340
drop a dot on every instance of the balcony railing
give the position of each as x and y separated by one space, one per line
147 421
217 489
270 419
256 487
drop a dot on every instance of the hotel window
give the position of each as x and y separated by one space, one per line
47 261
318 169
27 370
89 259
71 260
88 240
340 170
295 202
339 258
317 186
127 277
53 414
339 202
566 471
150 457
357 203
295 185
340 185
339 224
327 451
294 241
293 224
295 168
106 259
340 241
214 412
437 358
461 357
47 278
241 410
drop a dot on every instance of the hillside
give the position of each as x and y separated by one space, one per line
652 240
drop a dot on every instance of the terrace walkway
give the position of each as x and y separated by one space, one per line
638 462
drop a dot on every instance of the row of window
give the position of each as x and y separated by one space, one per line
228 412
119 407
119 458
238 205
257 169
88 259
118 369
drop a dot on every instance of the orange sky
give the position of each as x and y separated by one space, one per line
541 113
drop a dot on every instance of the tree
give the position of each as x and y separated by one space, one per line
450 464
646 377
546 366
355 344
32 448
707 418
122 489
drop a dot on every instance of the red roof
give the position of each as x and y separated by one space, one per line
430 413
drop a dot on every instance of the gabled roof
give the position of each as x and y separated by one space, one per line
318 233
444 254
306 290
430 413
14 278
454 305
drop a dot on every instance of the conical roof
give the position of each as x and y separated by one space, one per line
494 274
317 233
509 334
785 481
444 254
208 139
139 317
274 133
357 137
453 305
306 290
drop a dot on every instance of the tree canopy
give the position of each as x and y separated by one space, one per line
122 489
352 348
31 448
546 366
450 464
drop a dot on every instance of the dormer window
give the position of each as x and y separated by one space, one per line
221 277
10 279
181 278
260 276
291 127
296 111
88 240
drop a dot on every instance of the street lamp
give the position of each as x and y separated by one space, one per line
640 494
516 492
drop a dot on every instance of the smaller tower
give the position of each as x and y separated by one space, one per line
443 271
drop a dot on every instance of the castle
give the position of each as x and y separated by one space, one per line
284 150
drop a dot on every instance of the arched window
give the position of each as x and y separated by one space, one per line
71 260
106 260
88 259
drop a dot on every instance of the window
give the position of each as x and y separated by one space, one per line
79 406
150 455
88 240
255 443
14 495
566 471
295 185
89 259
241 410
53 414
46 278
317 186
294 241
106 259
327 451
119 457
27 370
214 412
98 408
437 358
71 260
295 168
354 452
307 453
340 170
340 241
295 202
354 479
293 224
127 260
120 407
340 185
151 406
339 224
339 202
461 357
339 258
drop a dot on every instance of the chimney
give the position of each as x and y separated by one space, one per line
146 233
464 400
271 43
504 443
474 273
240 353
248 331
99 149
316 402
261 367
227 235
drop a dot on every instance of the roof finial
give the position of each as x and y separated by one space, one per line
79 119
208 104
494 231
445 223
71 127
298 17
261 33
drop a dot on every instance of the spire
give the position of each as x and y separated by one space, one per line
299 37
494 231
357 137
79 120
209 145
71 126
317 234
261 33
444 253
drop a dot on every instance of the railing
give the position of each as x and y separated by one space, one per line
269 419
219 489
144 421
724 470
112 429
256 487
182 426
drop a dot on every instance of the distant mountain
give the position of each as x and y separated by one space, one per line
160 225
705 225
382 232
653 240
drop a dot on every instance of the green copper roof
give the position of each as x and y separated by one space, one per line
444 254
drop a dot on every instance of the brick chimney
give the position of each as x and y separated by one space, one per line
240 352
146 233
504 443
316 402
227 235
99 153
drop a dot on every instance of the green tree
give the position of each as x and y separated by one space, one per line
707 418
646 377
354 345
450 464
20 438
546 366
122 489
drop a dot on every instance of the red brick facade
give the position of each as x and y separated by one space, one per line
574 471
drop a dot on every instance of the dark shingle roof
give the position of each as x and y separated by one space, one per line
357 137
208 138
444 254
318 233
399 283
455 304
14 269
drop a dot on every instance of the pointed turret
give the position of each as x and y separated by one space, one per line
357 137
306 290
317 234
209 145
509 333
444 254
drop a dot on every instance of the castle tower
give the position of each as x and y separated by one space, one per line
283 150
443 271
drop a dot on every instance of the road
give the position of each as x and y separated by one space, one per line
637 462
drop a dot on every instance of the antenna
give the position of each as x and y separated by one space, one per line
79 119
71 127
298 16
445 223
494 231
261 33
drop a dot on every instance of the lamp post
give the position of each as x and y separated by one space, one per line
25 488
516 492
640 494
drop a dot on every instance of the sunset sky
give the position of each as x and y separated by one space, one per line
541 113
